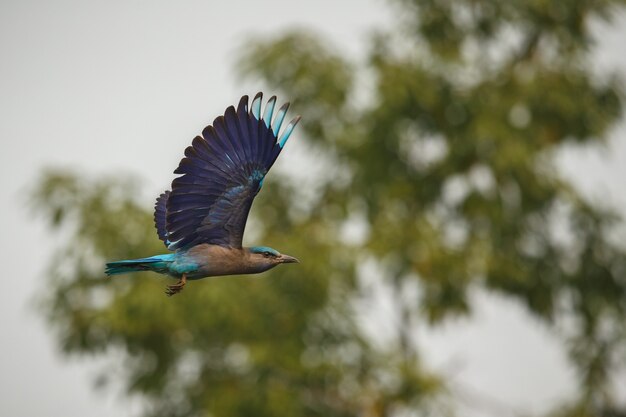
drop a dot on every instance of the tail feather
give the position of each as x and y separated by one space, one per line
157 263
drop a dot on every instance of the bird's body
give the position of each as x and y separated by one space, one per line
202 261
202 219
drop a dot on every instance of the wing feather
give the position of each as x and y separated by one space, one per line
159 216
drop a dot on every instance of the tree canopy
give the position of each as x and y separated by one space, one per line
441 146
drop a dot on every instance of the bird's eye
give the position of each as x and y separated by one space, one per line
268 254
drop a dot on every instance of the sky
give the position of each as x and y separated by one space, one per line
122 87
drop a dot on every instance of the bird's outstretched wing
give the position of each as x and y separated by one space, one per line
222 172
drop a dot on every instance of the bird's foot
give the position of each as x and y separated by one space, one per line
176 288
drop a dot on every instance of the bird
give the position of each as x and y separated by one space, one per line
202 218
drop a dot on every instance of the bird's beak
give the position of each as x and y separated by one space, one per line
286 259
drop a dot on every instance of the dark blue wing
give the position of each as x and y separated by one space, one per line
159 216
222 172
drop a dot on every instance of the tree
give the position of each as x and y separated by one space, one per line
448 167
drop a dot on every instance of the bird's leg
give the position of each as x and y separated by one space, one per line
176 288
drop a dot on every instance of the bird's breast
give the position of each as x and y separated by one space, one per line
215 260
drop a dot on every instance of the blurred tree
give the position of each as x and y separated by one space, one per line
238 346
442 149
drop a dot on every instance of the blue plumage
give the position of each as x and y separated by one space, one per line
204 215
264 249
221 175
158 263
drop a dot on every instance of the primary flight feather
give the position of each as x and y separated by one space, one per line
203 217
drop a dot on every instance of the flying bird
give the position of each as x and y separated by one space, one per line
203 217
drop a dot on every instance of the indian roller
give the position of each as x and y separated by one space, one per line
203 217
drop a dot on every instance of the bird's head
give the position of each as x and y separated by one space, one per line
266 258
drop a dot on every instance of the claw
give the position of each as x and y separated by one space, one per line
176 288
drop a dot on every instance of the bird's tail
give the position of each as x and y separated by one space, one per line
157 263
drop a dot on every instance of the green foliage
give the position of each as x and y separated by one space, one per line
450 164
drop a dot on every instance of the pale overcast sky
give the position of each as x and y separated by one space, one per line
123 86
